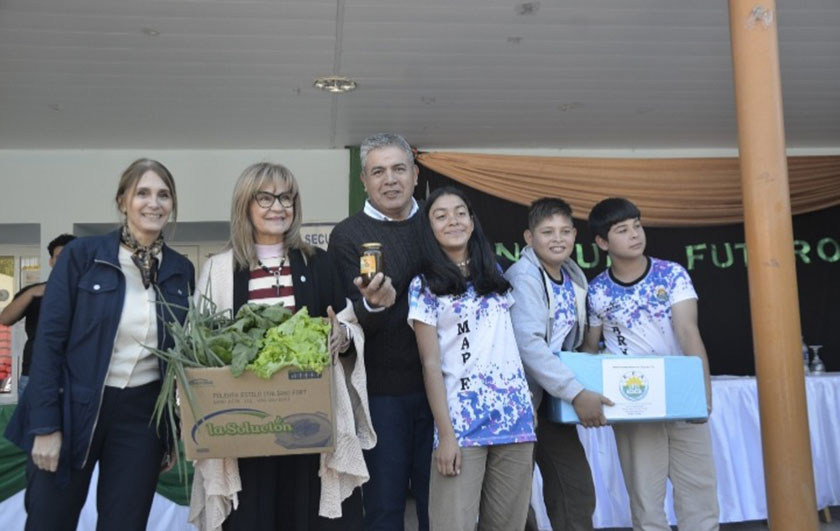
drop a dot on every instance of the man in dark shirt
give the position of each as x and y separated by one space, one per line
27 304
398 406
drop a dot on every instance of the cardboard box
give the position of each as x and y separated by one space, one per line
292 413
644 388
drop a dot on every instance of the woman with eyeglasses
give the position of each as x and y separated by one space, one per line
93 382
268 262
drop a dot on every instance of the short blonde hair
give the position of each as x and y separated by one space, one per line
136 170
242 236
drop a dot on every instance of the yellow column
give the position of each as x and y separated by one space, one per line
774 302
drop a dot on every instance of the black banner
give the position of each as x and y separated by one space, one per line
716 259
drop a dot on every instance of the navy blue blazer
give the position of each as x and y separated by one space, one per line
80 314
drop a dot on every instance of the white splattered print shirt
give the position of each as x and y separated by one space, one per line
637 317
564 312
486 390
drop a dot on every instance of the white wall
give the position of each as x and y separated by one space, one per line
57 188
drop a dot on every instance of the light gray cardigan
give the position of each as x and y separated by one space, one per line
533 322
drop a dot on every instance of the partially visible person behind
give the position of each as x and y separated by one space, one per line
399 463
648 306
93 383
267 262
27 304
460 310
550 316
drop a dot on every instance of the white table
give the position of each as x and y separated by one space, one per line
736 441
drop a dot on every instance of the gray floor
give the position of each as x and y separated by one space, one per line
411 522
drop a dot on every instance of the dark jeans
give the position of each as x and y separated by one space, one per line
399 462
22 383
129 453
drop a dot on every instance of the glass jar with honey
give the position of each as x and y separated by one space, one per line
370 262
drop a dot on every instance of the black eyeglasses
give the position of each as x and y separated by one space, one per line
266 199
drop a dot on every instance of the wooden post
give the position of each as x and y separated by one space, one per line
774 302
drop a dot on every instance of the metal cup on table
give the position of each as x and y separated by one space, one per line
817 365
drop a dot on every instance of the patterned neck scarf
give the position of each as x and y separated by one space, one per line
144 257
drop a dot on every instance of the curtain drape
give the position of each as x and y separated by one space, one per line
669 192
356 199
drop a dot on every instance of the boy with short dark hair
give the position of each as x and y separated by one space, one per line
27 304
647 306
549 316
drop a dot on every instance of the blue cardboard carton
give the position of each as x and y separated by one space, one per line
644 388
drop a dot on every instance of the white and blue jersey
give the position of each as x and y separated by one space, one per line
486 391
636 317
564 312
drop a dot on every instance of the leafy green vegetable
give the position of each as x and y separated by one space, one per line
299 342
276 313
263 339
192 348
222 346
247 331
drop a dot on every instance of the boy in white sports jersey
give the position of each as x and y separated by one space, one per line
644 306
550 316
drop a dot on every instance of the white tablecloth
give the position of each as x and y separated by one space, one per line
736 441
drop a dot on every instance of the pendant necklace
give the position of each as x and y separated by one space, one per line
276 273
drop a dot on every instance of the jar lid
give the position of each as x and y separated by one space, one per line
371 245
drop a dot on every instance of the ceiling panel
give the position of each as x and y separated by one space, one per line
473 73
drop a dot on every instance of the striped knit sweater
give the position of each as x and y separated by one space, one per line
272 283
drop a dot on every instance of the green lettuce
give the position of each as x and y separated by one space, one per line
301 342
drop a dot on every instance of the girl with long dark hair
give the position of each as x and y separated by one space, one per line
484 422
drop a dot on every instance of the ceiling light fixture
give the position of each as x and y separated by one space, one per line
564 107
151 32
335 84
528 8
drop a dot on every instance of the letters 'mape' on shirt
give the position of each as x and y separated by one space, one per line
486 390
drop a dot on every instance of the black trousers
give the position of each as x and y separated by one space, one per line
282 493
129 453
